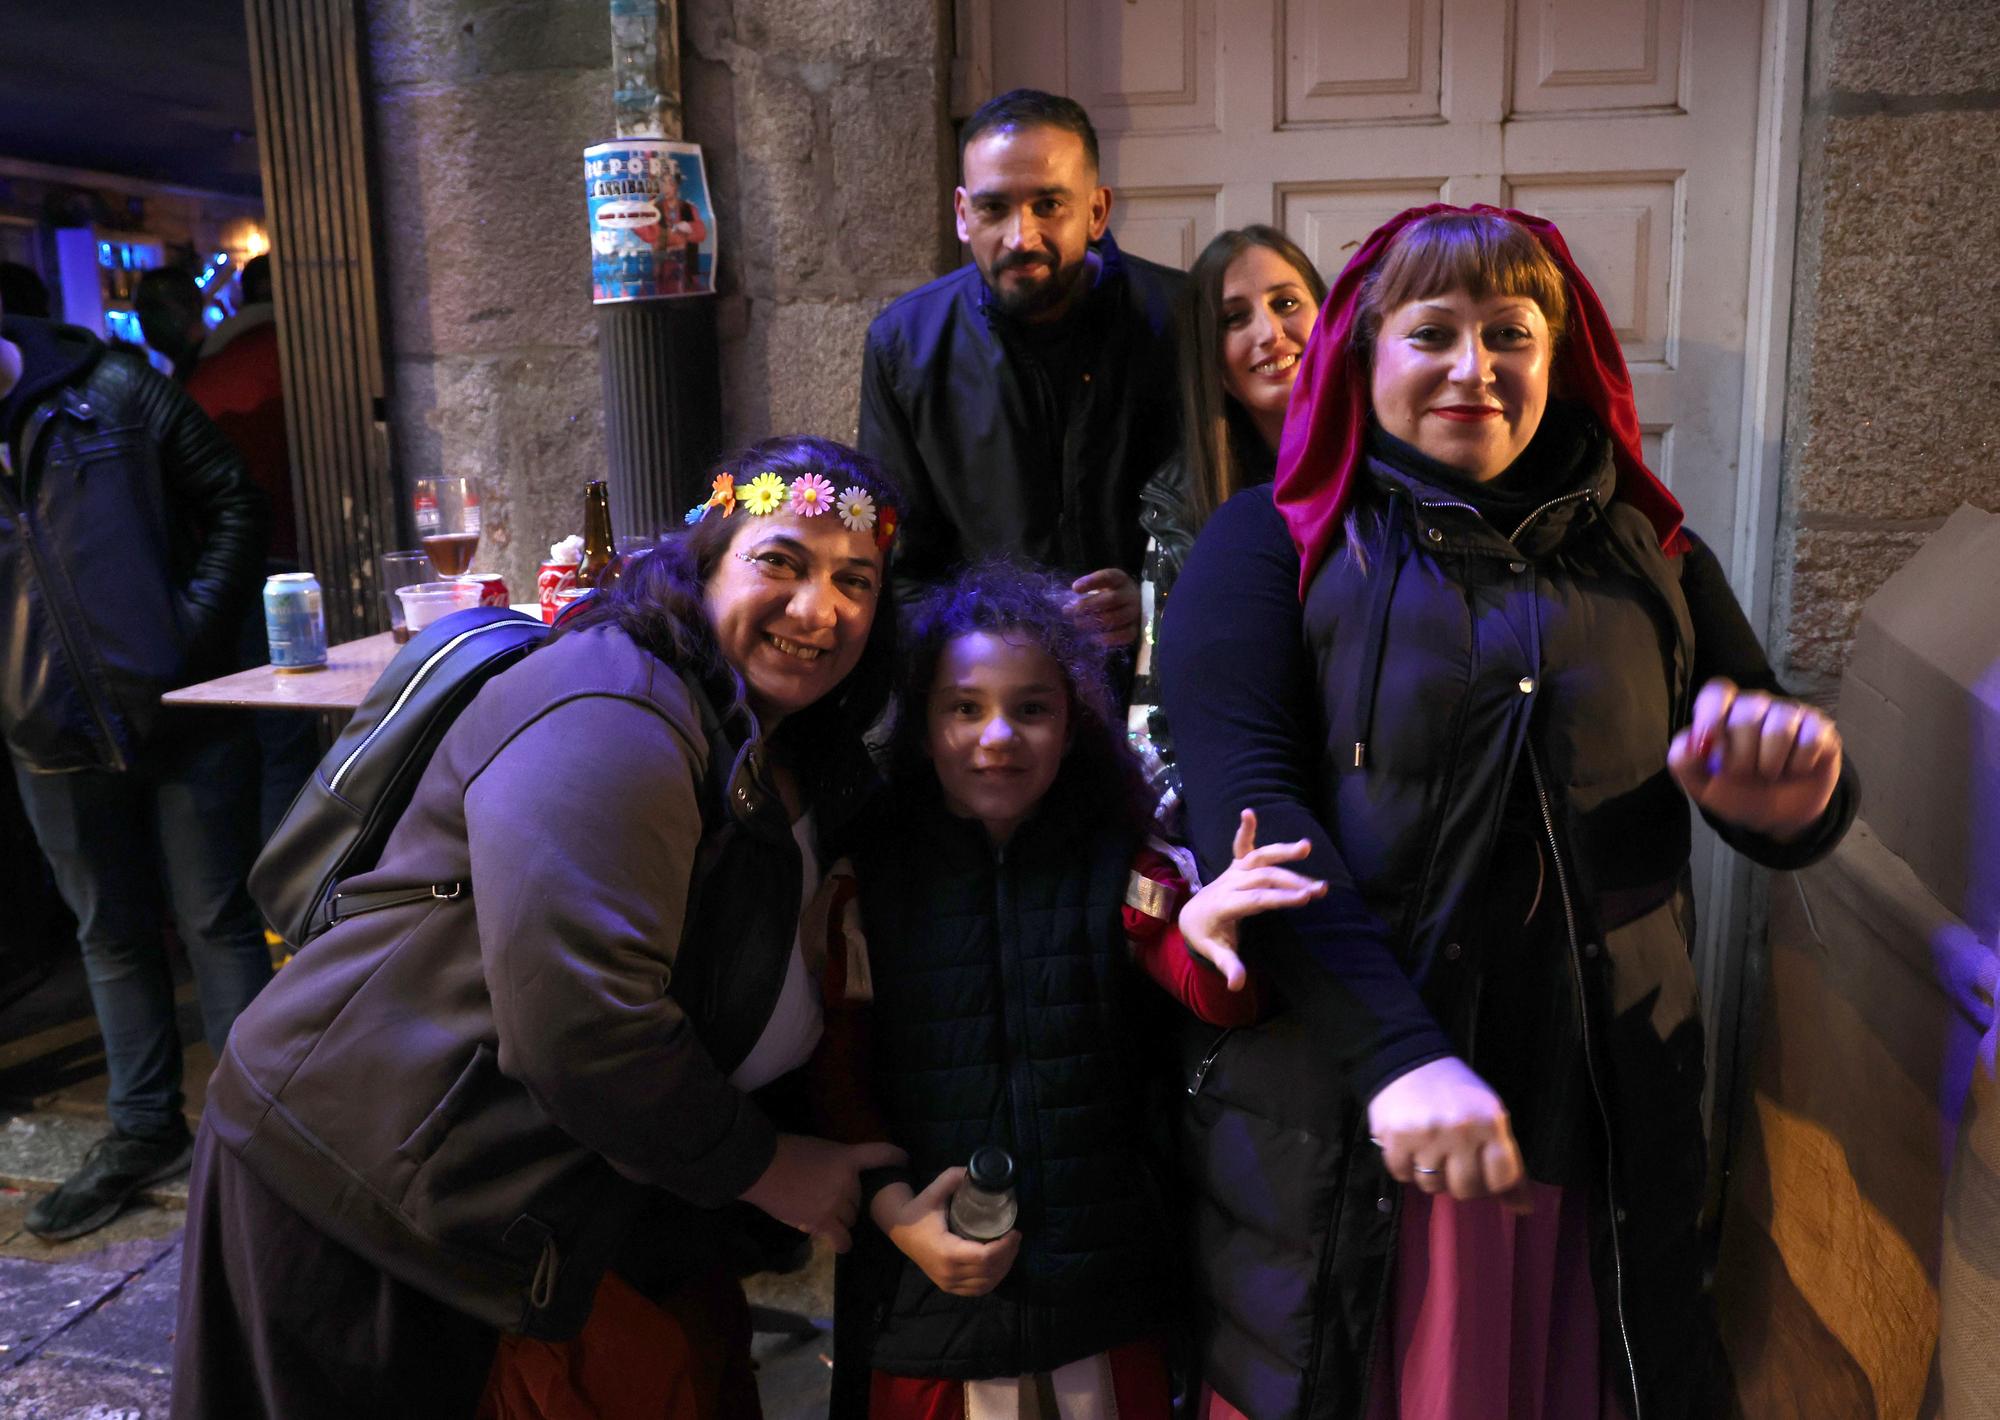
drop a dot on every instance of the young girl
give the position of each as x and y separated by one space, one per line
1004 897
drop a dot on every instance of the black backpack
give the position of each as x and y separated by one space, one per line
337 825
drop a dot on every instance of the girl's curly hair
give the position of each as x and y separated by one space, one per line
1100 775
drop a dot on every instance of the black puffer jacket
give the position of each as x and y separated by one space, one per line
1007 1011
1549 668
962 406
131 541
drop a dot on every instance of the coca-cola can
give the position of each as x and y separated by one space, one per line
495 590
552 577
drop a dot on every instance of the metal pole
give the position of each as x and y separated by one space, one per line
660 360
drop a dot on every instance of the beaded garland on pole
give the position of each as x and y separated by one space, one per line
807 496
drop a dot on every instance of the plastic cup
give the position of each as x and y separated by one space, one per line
427 601
403 569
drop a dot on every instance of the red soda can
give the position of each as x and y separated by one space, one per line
552 577
495 593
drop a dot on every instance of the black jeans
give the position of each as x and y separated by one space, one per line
185 819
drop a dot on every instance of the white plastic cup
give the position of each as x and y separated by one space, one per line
427 601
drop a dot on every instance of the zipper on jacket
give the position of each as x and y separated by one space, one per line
415 683
79 671
1515 536
1590 1071
1208 1060
364 903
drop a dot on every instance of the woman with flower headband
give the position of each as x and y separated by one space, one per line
1477 661
450 1116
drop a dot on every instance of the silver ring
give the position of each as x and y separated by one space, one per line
1421 1169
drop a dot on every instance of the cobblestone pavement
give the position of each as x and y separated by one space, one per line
86 1327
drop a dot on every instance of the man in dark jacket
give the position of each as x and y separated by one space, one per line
130 546
1022 401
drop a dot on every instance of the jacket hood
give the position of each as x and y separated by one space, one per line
52 355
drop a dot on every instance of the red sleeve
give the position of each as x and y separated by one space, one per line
839 1086
1162 953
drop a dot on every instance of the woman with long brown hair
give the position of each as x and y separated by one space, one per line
1243 317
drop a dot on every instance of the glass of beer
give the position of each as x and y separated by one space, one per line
447 512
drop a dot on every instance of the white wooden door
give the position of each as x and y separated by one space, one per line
1629 123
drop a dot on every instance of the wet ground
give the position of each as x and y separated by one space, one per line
86 1327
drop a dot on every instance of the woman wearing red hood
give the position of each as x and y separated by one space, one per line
1469 651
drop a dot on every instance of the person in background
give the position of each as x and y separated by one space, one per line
169 303
254 306
1250 302
1478 662
23 292
237 381
1023 399
1008 905
461 1105
129 553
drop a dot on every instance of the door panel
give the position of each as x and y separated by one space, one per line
1147 66
1577 56
1329 221
1620 229
1167 225
1349 60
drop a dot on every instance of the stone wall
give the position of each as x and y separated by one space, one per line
825 124
829 154
1895 368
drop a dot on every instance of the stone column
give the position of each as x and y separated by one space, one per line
1895 361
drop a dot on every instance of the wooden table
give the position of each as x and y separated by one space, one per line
350 670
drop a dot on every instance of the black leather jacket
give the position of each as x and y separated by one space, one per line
992 458
131 542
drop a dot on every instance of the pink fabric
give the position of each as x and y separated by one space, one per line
1492 1314
1327 419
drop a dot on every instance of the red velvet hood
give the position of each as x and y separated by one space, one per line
1327 423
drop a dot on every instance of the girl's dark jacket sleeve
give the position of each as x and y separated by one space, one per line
1237 686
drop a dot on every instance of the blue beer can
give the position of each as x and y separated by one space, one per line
295 621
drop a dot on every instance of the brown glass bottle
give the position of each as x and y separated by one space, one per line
597 548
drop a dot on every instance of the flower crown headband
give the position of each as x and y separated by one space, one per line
808 496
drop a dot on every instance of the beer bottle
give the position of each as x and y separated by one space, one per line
597 548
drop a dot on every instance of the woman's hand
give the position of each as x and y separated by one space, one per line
917 1224
1756 761
1252 883
814 1185
1442 1128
